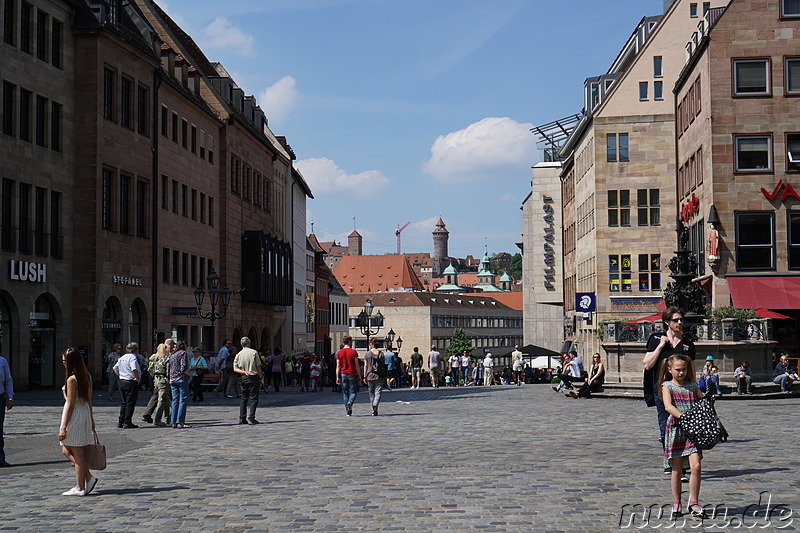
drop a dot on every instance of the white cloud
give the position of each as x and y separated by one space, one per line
509 198
326 177
278 99
425 226
222 34
482 150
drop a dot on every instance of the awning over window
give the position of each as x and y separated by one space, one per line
770 292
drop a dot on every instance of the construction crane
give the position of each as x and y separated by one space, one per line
397 234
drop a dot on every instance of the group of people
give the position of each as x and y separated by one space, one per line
573 372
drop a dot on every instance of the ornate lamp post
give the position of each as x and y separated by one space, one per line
387 342
216 297
368 324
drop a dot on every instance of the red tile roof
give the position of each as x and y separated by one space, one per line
376 273
428 299
508 299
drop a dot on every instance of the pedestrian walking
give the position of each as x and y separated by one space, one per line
129 372
223 357
179 376
6 403
199 368
375 370
455 367
276 362
661 346
348 373
464 368
113 379
77 420
416 368
679 392
434 363
161 398
247 364
488 370
518 365
316 372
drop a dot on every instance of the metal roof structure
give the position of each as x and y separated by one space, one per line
553 135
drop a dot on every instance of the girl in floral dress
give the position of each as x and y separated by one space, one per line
679 395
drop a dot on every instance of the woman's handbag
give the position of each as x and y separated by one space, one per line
95 455
702 425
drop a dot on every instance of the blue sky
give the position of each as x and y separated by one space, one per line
407 110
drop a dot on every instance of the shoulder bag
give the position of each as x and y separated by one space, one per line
702 425
95 455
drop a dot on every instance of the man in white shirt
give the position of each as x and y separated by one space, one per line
129 372
434 360
247 364
464 368
488 373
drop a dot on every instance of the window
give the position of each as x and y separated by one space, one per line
210 211
793 152
257 188
141 209
164 185
184 132
24 213
617 147
55 127
794 239
9 22
202 208
7 239
194 139
184 200
25 27
642 90
697 244
697 99
142 113
790 8
235 167
42 44
176 259
108 93
174 127
124 204
753 153
658 67
793 74
193 269
211 149
194 204
649 272
246 181
55 225
658 90
619 273
619 208
174 196
164 121
693 10
648 207
9 97
751 77
126 110
165 265
41 120
755 240
202 144
185 268
40 203
107 205
25 114
706 7
56 36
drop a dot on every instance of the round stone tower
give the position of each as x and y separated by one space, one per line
354 246
440 236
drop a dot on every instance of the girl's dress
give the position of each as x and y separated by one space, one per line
79 430
676 444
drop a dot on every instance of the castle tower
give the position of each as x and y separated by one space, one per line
440 236
354 245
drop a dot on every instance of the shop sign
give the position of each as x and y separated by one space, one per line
184 311
585 302
125 280
549 240
788 192
27 271
112 324
41 325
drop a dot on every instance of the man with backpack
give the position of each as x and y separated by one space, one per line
375 370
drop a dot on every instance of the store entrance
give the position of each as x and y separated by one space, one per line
42 339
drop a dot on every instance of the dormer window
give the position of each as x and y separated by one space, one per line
595 94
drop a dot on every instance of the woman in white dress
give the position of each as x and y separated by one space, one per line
77 420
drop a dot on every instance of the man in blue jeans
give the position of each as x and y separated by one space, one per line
348 373
6 402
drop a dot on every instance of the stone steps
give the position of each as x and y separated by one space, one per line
765 390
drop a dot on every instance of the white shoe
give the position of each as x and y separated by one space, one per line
74 491
90 485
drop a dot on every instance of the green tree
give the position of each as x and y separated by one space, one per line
459 342
515 266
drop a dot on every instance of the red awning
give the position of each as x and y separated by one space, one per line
652 318
770 292
766 313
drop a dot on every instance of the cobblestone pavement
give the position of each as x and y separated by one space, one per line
489 459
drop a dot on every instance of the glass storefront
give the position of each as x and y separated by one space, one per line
42 337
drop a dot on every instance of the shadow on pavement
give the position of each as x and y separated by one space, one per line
141 490
722 474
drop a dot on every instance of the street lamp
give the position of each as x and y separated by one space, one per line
368 324
389 339
215 296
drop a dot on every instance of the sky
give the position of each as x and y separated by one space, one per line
410 110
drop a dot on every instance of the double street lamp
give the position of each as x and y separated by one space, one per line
387 342
215 297
367 323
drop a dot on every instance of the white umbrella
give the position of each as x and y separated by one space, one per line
546 361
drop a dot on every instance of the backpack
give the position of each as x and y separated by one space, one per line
379 365
702 425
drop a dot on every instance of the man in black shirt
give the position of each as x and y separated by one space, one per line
659 347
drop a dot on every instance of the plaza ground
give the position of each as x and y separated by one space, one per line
491 459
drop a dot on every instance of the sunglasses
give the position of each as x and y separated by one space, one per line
676 320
